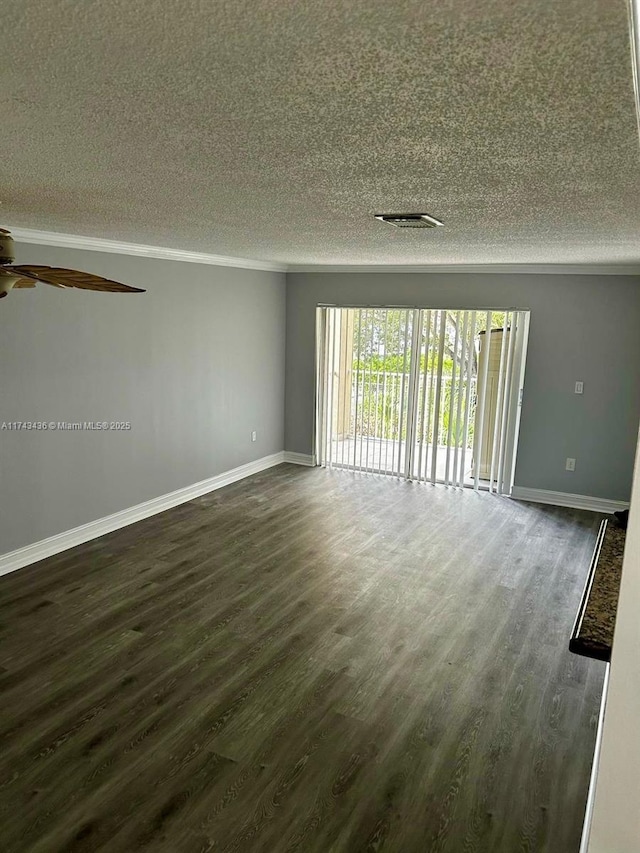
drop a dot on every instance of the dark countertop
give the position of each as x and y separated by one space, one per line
592 633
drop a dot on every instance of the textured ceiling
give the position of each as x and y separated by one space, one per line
274 130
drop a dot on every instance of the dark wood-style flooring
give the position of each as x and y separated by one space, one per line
306 660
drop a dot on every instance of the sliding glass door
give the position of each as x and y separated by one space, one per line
425 394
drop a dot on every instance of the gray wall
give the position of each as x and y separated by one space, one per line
195 364
582 328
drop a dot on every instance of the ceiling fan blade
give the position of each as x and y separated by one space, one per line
24 282
59 277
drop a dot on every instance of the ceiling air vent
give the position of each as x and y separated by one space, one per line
409 220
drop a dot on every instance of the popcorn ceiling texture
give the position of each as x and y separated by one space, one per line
274 130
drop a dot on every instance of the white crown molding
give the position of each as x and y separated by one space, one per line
98 244
544 496
300 458
527 269
78 535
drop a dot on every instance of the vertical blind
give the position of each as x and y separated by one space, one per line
431 395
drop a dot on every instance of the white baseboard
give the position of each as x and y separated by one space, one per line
543 496
70 538
588 815
300 458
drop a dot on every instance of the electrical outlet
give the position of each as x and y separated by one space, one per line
579 387
571 464
254 435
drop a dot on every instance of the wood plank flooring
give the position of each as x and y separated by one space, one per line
304 661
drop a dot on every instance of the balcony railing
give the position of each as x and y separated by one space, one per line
378 408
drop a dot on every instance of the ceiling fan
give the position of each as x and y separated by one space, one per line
27 275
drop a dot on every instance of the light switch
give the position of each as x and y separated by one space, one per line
579 387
